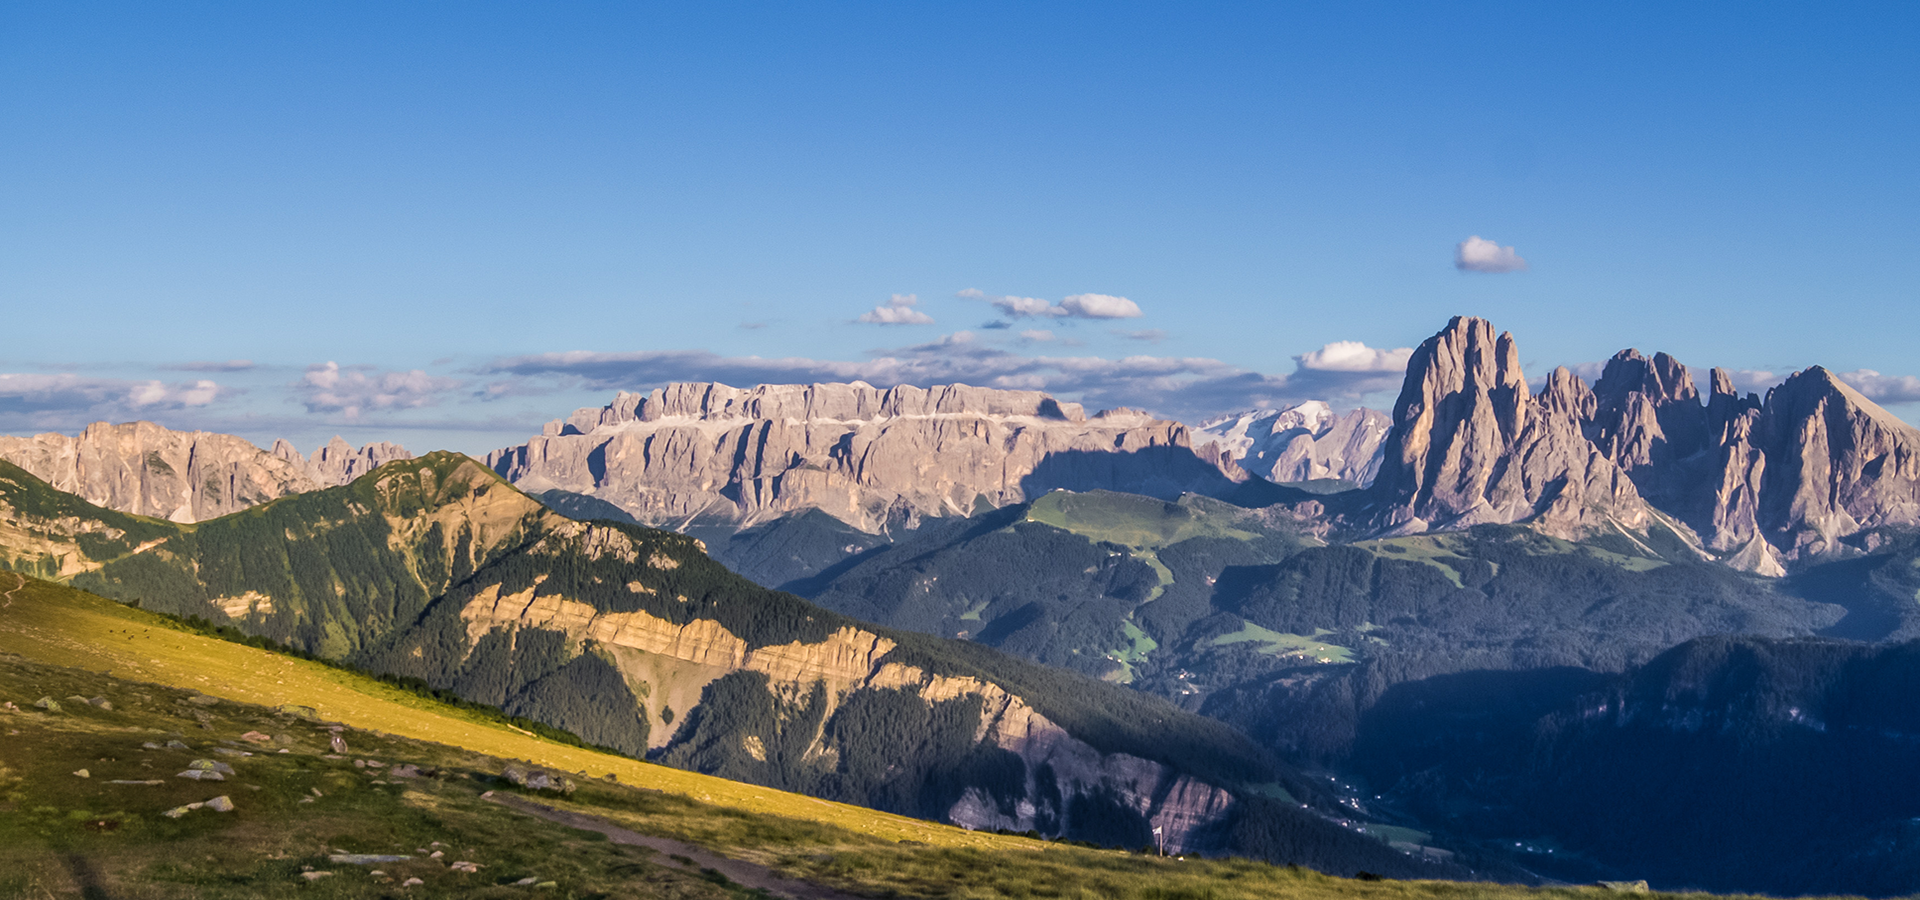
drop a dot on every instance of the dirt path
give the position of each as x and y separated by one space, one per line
20 582
740 872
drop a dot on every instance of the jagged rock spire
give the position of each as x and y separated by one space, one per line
1471 446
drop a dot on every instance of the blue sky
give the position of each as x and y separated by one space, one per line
483 216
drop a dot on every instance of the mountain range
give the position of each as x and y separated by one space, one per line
989 607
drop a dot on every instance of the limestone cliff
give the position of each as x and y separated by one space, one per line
1470 445
1755 481
183 476
144 469
1307 442
867 456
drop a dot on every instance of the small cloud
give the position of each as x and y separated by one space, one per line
231 365
1883 388
350 392
1037 334
1354 356
1100 306
1754 381
1077 306
897 311
997 325
970 294
1477 254
1150 335
1025 307
752 326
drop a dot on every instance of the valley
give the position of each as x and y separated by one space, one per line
990 609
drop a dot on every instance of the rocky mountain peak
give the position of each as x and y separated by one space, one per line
1470 445
1307 442
146 469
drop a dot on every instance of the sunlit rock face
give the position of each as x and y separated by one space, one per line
869 457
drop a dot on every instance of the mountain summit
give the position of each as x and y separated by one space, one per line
1755 481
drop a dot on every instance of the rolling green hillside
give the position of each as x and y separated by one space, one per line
635 640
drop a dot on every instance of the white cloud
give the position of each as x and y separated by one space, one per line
1354 356
1477 254
1076 306
897 311
1100 306
231 365
1037 334
1186 388
1024 307
1883 388
65 401
1150 335
329 388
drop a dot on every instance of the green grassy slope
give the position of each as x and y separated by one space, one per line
295 812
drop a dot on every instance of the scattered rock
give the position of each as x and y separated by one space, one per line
257 737
222 803
229 751
82 773
149 745
179 811
470 868
1625 887
437 854
211 765
366 859
76 698
47 703
176 745
203 700
359 763
202 775
102 703
405 770
316 793
315 876
529 881
411 882
538 780
339 745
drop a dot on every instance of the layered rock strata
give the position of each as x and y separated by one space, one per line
1308 442
869 457
183 476
677 661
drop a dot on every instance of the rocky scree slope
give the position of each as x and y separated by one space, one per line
1754 482
1308 442
634 639
183 476
869 457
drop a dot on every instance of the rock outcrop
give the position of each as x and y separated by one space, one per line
142 468
1307 442
872 458
1470 445
337 462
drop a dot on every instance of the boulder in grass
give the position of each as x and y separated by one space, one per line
202 775
222 803
176 745
257 737
1625 887
47 703
82 773
404 770
101 702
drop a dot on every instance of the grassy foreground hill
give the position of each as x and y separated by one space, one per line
634 639
131 700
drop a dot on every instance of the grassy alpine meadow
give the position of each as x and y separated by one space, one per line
105 709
